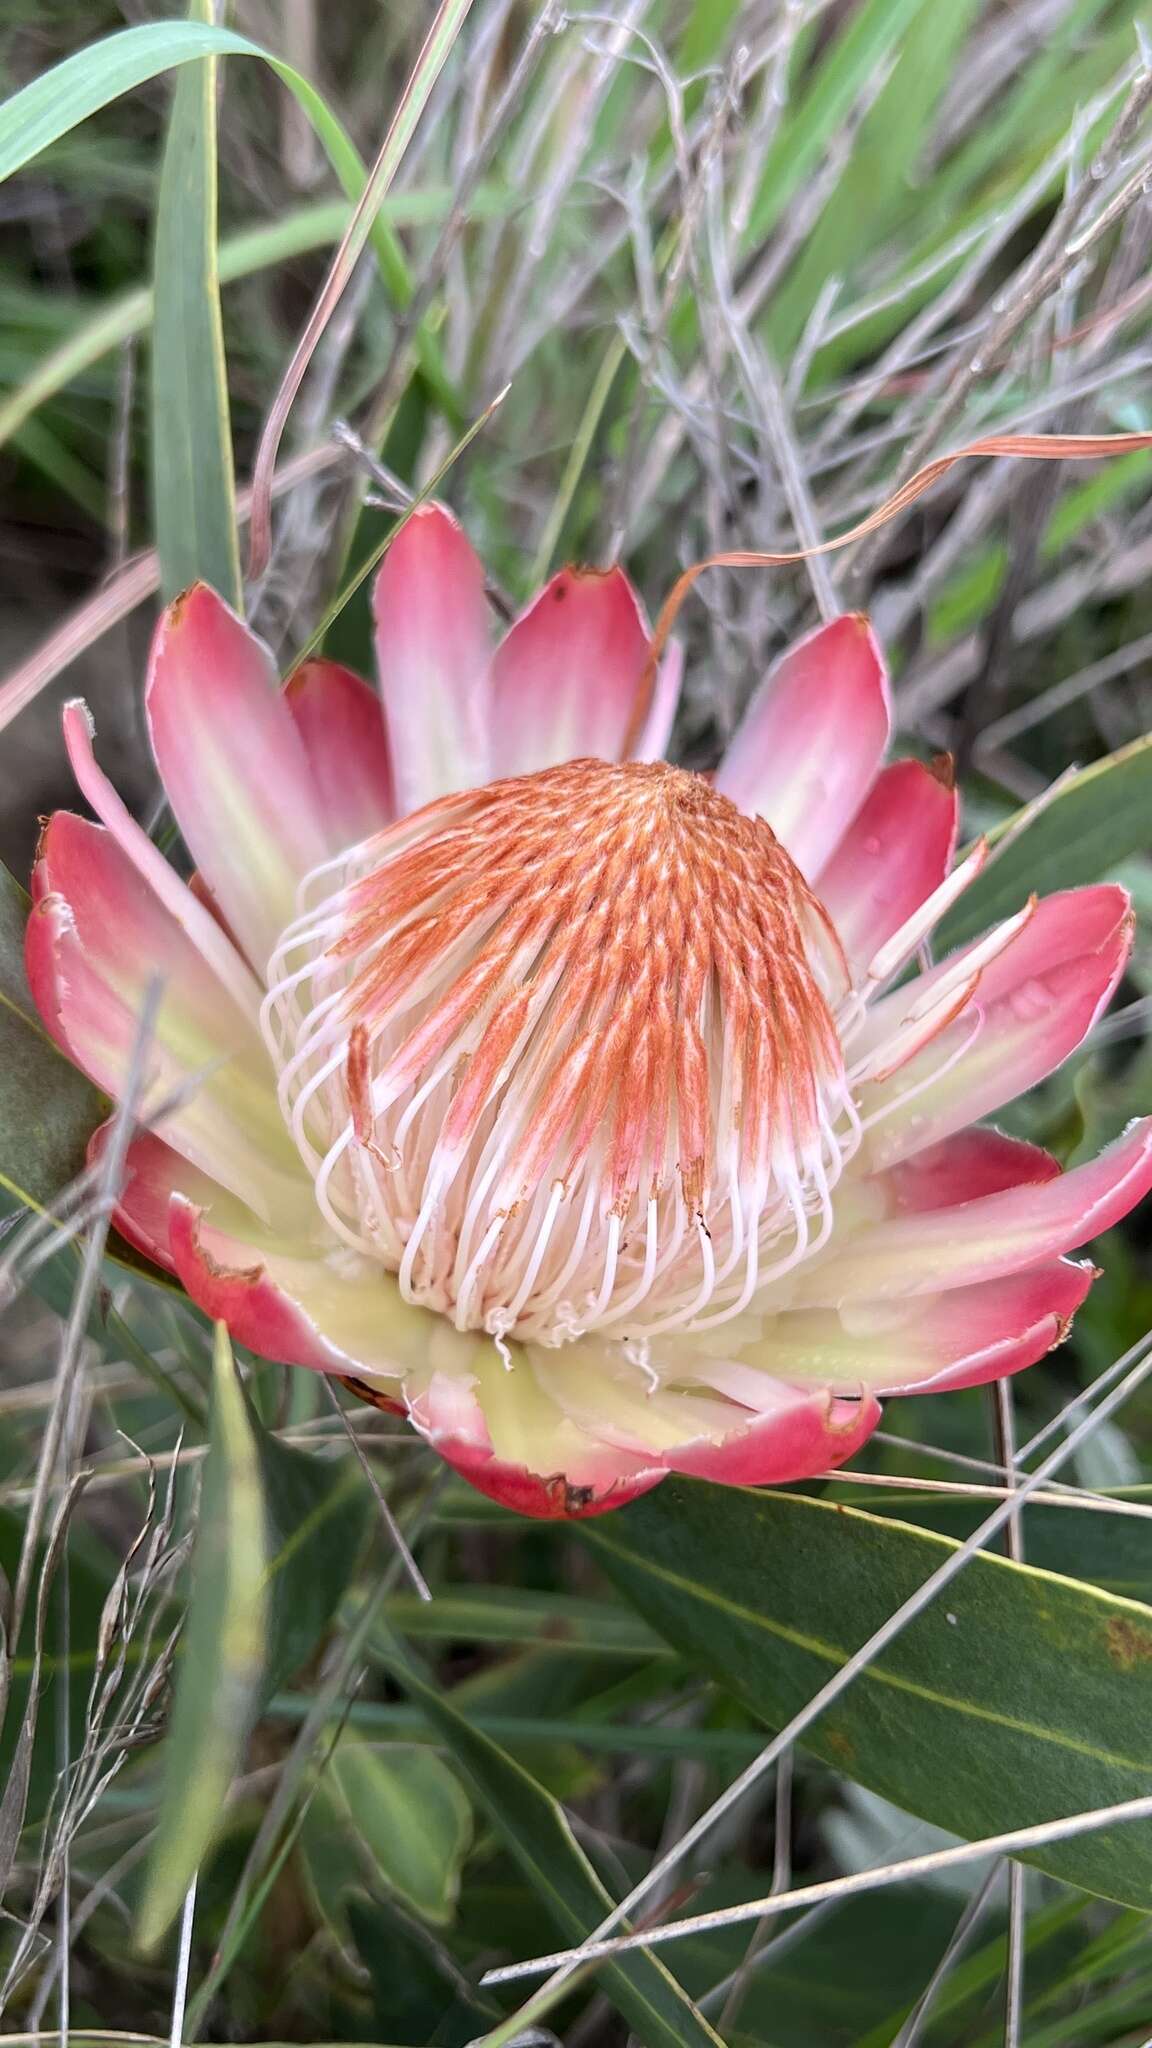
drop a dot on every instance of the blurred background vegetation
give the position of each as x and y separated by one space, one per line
738 267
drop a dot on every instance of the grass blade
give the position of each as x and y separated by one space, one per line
243 254
450 18
223 1654
193 485
52 105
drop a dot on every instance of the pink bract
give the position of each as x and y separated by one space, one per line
583 1108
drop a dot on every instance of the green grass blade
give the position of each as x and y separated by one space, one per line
870 33
242 254
52 105
47 453
193 482
558 1622
881 167
223 1654
724 1747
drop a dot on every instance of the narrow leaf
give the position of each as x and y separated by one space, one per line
52 105
316 1516
881 171
535 1829
870 33
560 1622
248 250
223 1657
193 486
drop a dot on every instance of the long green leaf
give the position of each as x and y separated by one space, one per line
223 1654
535 1829
1096 820
53 104
242 254
1107 1549
1015 1698
561 1622
725 1747
193 482
881 168
869 34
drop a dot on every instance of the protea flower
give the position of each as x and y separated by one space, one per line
577 1105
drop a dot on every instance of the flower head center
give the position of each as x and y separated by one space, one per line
563 1053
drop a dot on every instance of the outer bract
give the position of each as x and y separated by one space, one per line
579 1106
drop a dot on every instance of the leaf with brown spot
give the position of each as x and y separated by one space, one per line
1036 1690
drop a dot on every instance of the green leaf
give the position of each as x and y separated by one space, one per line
47 453
53 104
535 1829
848 1971
47 108
48 1110
193 485
1110 1551
1068 70
728 1748
964 598
559 1622
880 170
1061 1957
394 1814
1037 1691
421 1995
242 254
316 1515
223 1659
1096 820
870 32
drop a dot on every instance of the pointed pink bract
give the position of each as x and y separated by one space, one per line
432 652
812 740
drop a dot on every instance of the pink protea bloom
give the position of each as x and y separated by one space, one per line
575 1104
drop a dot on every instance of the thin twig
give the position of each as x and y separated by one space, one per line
1011 1841
395 1533
911 2031
1004 1430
